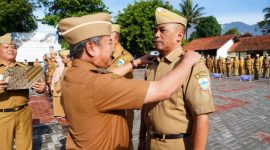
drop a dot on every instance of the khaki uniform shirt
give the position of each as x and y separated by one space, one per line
174 115
94 104
12 98
57 85
121 57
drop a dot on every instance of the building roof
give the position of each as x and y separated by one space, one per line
251 43
209 43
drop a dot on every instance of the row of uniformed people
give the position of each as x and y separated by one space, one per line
257 66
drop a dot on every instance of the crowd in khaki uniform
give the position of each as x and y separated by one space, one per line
94 91
258 66
15 115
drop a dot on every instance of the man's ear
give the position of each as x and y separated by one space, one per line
181 32
90 49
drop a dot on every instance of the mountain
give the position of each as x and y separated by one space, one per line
241 27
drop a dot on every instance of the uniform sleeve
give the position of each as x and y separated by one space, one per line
198 92
112 92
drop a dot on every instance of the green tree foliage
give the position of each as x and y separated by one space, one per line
265 24
17 16
232 31
137 25
60 9
207 27
192 12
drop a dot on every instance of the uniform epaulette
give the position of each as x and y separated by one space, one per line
100 70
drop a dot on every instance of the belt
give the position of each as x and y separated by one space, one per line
14 109
161 136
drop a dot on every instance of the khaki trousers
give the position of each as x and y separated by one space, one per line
58 110
16 126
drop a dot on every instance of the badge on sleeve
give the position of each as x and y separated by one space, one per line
120 62
204 83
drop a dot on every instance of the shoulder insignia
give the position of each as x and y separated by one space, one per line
100 70
115 76
200 74
204 83
120 62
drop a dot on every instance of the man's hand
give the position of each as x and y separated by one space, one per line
39 86
191 57
146 59
3 85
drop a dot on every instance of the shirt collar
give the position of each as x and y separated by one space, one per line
173 54
12 65
83 64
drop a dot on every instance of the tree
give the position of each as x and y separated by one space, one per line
137 25
60 9
232 31
207 27
17 16
192 14
265 24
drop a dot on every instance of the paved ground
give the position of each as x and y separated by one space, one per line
241 120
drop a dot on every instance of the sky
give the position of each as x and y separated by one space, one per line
226 11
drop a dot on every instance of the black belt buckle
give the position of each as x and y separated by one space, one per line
163 137
14 109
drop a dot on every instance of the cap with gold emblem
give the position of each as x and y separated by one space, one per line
116 28
77 29
64 52
6 39
165 16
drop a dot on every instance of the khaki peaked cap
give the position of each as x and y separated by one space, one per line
77 29
116 28
6 39
165 16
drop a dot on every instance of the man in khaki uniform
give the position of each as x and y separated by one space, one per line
228 66
209 63
236 66
249 65
36 63
94 99
220 65
181 121
50 68
121 57
15 115
215 64
62 61
242 66
266 66
257 67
